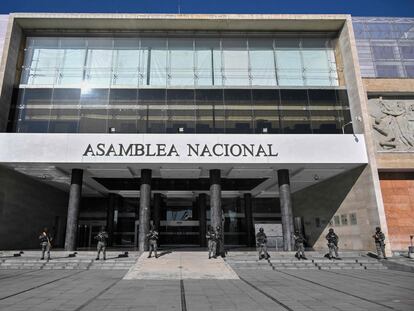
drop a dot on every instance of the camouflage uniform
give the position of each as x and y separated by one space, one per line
261 242
45 244
299 245
380 243
332 244
212 243
101 247
153 241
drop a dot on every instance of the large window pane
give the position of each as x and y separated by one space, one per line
289 62
34 110
266 111
123 111
342 99
71 71
235 62
64 115
181 62
294 110
262 62
181 111
315 61
383 52
126 62
157 61
210 111
388 71
43 61
407 52
94 111
238 111
99 63
155 102
325 112
208 62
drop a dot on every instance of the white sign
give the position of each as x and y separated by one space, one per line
181 148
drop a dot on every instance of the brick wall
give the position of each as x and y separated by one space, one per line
398 196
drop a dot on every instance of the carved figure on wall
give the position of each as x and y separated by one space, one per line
393 124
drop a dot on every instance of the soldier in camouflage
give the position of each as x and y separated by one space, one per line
332 238
299 245
379 238
102 236
45 243
152 237
261 242
212 243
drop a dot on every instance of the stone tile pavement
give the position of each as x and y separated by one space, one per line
256 290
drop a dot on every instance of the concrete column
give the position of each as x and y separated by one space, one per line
202 197
112 202
286 208
144 209
248 214
156 217
215 206
75 195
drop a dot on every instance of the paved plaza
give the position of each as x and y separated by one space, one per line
254 289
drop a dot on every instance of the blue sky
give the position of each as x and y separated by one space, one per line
354 7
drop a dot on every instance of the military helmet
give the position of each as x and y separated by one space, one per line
331 230
261 229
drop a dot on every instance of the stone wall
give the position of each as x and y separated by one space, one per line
26 206
346 203
398 195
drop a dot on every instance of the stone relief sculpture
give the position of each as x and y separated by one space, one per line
393 124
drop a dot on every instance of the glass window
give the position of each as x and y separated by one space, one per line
71 71
324 112
266 111
295 112
315 61
388 71
262 62
124 112
64 115
238 111
383 52
289 62
155 102
208 62
180 111
94 111
210 112
157 60
235 62
407 52
342 100
126 62
181 62
99 63
409 69
34 110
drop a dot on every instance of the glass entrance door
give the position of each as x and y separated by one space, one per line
178 225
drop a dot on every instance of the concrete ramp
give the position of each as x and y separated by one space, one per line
180 266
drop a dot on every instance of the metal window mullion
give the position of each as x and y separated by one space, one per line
275 61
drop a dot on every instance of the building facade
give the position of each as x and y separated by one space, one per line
386 56
186 121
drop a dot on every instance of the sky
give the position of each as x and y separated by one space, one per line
395 8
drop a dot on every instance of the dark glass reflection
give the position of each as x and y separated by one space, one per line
181 113
294 110
266 111
325 113
239 111
64 115
155 102
34 110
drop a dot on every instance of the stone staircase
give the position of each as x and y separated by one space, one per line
62 261
316 261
